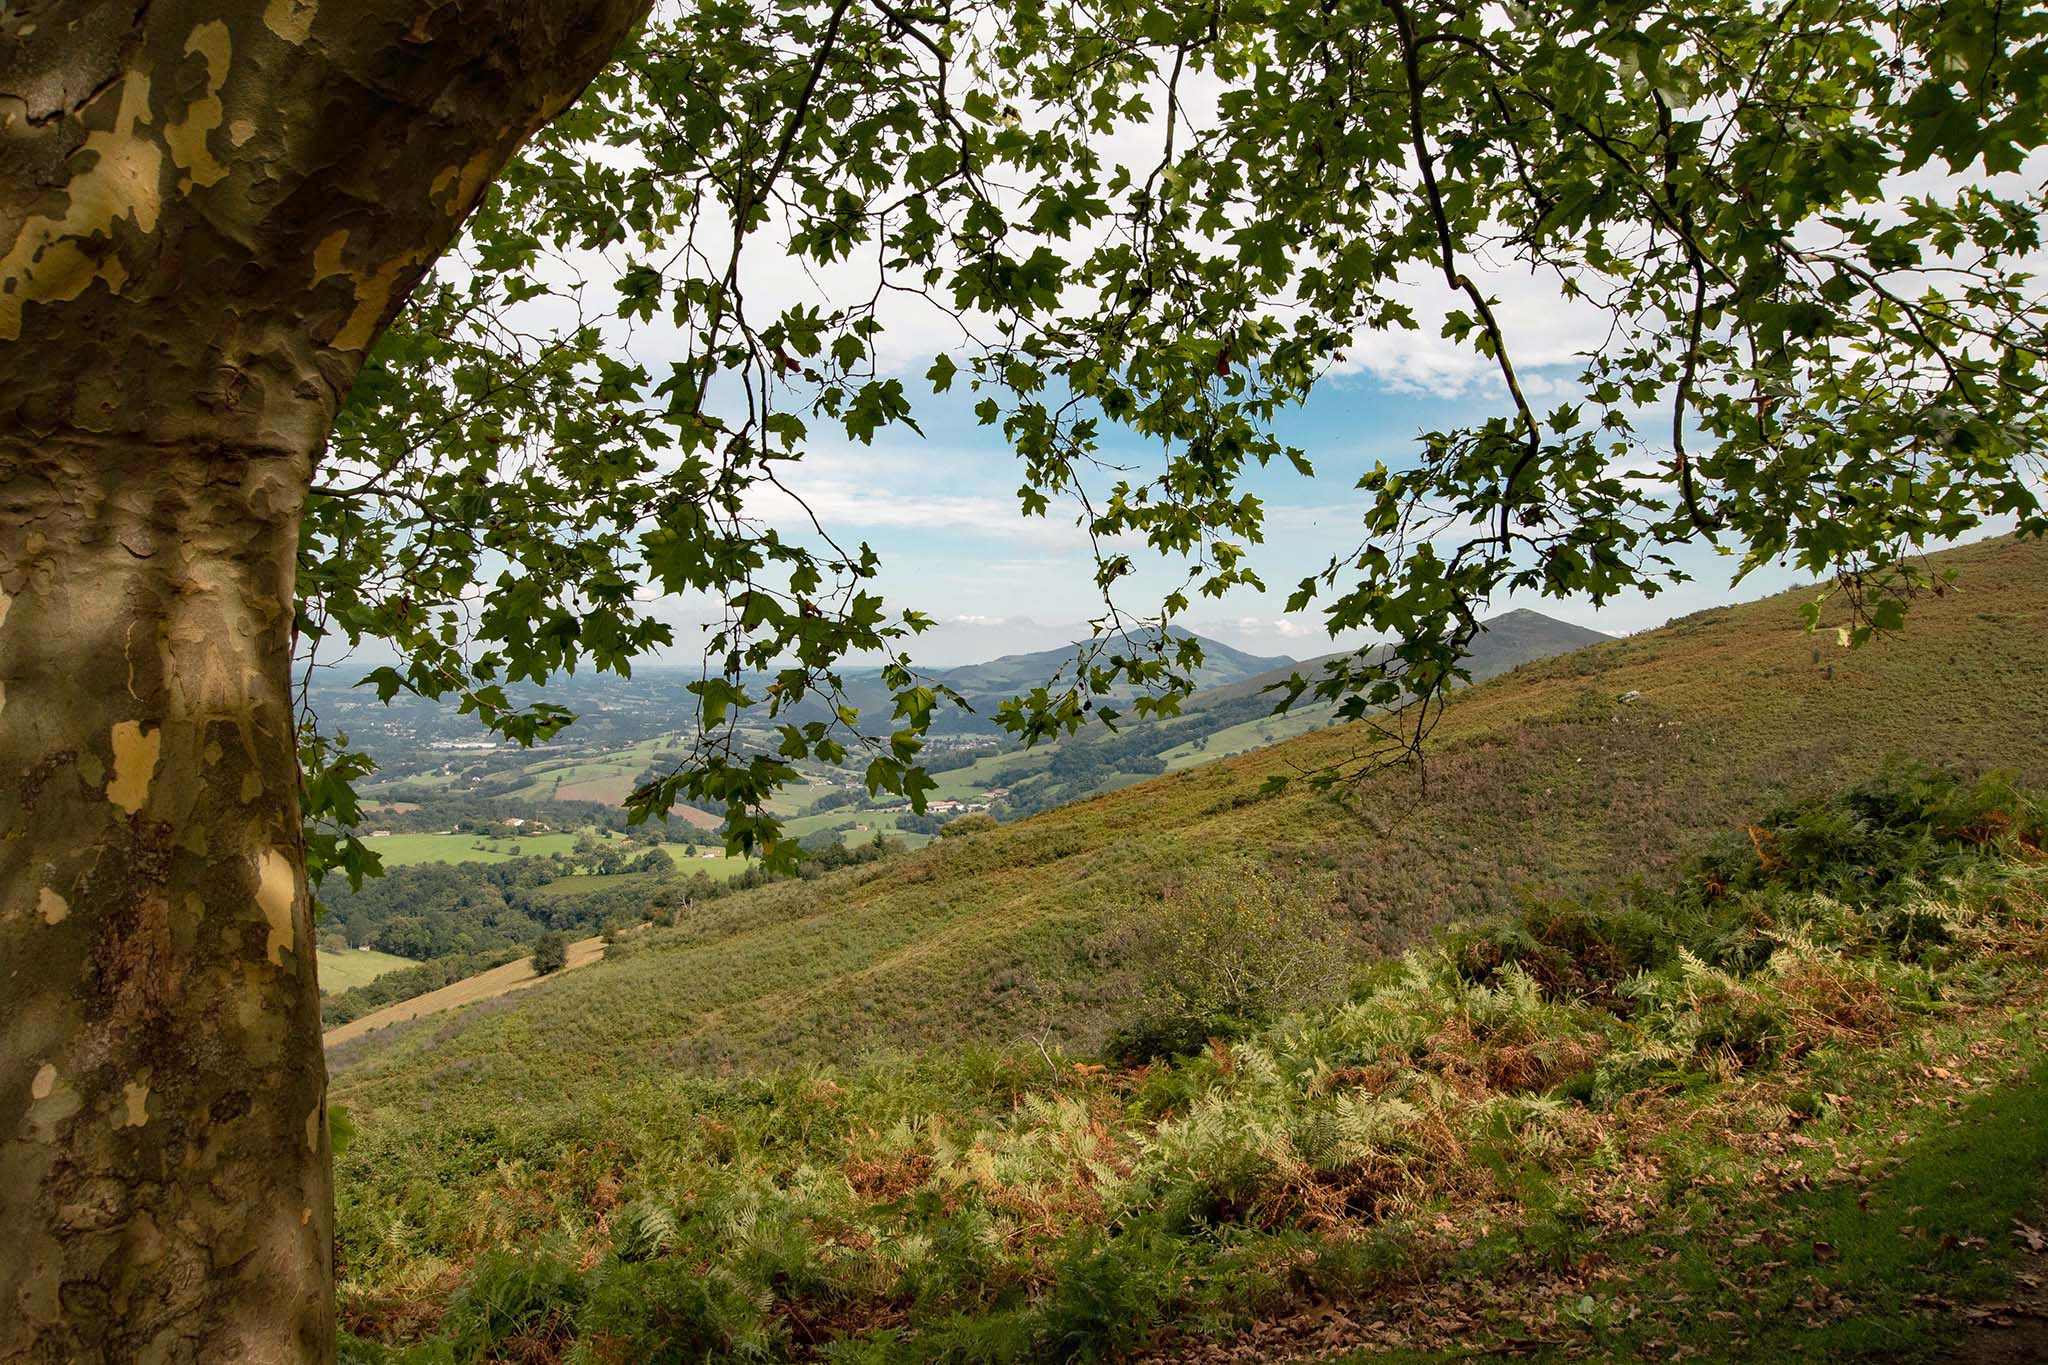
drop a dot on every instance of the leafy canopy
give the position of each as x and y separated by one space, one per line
1809 225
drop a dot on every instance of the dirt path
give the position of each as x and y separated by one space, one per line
513 976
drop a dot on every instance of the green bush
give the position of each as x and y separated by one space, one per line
550 953
1224 957
1570 950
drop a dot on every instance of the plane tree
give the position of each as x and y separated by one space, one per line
460 332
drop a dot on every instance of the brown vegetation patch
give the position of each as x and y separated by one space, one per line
1833 1003
1475 1065
399 1317
888 1177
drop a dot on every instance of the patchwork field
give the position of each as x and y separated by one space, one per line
357 966
968 783
857 826
404 850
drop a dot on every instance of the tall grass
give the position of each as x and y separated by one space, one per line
1003 1206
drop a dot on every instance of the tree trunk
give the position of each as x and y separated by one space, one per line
208 212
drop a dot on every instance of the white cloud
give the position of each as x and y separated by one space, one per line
1544 328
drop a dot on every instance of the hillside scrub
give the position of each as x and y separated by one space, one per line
1540 783
1493 1108
1231 953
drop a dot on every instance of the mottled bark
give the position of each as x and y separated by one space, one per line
208 212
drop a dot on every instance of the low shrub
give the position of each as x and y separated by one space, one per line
1227 956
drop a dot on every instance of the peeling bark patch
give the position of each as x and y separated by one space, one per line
313 1129
53 906
45 1081
373 293
327 255
291 20
459 186
274 894
121 180
135 757
187 137
136 1097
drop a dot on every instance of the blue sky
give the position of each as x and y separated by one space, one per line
942 513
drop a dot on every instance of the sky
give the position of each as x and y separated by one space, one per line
941 509
942 513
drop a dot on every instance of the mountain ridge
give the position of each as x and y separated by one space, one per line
1514 637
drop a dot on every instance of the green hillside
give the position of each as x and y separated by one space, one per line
1217 722
1790 1102
987 684
1541 782
1724 983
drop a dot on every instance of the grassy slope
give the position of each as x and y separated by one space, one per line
1540 781
1788 1130
1251 734
513 976
356 967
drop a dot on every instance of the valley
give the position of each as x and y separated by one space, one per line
547 820
961 1046
1540 783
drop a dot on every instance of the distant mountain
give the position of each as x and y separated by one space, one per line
987 685
1220 720
1013 673
1506 641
